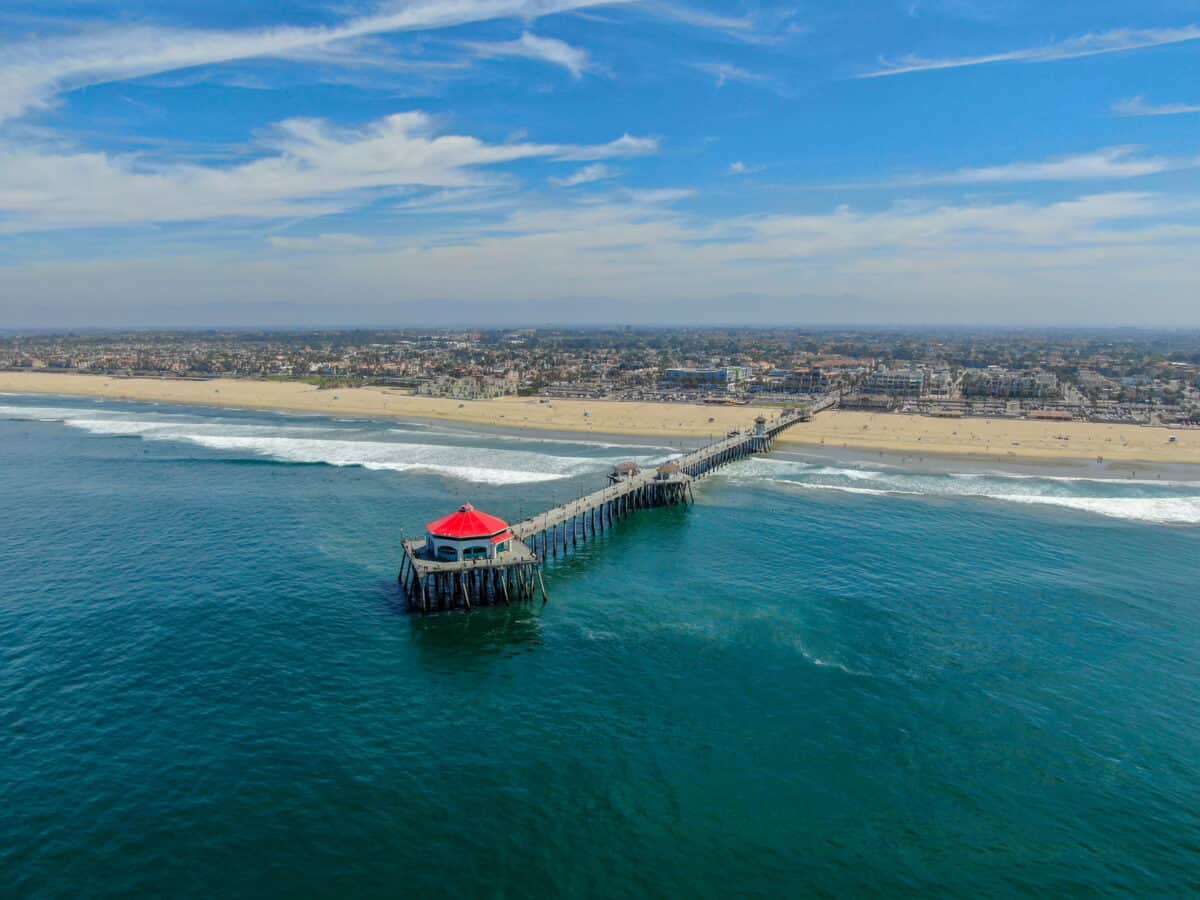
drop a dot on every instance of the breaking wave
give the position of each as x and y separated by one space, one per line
1160 502
535 439
335 446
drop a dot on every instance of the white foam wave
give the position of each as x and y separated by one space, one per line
1161 510
316 444
822 661
853 474
481 464
169 428
845 489
38 413
1160 502
533 439
1082 479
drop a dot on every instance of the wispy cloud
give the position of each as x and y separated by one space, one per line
1115 41
1109 163
33 72
586 175
724 72
699 18
625 146
472 199
530 46
769 27
1137 106
307 167
1074 260
322 242
738 167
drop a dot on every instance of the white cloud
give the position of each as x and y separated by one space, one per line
586 175
1137 106
34 71
1109 163
658 197
473 199
307 168
530 46
1076 261
767 26
1114 41
724 72
334 241
699 18
625 146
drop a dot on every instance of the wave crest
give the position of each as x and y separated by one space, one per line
1159 502
331 445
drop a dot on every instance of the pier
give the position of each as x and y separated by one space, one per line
436 575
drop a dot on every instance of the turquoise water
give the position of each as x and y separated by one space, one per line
831 677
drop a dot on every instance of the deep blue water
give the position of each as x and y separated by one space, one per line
823 678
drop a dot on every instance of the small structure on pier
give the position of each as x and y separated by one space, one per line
470 558
467 534
761 437
623 471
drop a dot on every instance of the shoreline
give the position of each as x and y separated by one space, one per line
892 434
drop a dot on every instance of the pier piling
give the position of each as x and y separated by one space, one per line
431 583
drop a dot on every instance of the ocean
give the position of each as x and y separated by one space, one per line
834 675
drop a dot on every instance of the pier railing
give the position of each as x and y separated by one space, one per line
516 574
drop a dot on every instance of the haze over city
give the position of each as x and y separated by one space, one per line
498 162
568 449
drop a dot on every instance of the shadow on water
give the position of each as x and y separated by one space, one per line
458 637
491 631
648 528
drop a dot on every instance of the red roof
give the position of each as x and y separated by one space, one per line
468 522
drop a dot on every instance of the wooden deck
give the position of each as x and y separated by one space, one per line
516 573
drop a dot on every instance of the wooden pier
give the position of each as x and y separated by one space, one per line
516 574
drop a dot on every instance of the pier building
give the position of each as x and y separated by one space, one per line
623 471
471 558
667 471
468 534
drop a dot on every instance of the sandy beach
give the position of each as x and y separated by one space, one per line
885 432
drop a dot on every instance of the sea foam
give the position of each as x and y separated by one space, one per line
479 464
335 446
1154 501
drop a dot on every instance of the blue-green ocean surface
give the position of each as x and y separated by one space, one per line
826 677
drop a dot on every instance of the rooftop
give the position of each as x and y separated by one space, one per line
467 522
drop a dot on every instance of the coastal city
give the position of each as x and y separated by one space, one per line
594 449
1131 377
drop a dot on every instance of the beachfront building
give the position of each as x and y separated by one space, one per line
726 378
995 381
469 387
812 380
467 534
897 382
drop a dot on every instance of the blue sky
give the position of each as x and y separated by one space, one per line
170 162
